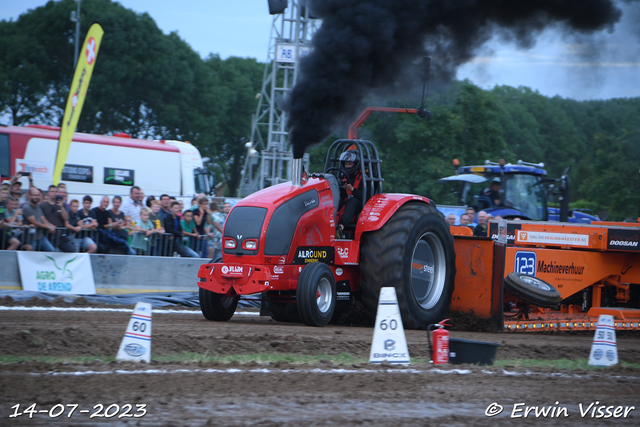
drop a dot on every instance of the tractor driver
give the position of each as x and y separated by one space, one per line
351 191
493 191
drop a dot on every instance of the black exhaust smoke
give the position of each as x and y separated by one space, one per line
364 44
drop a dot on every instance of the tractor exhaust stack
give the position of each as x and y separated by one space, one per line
297 172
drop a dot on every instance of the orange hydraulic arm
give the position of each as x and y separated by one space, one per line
353 127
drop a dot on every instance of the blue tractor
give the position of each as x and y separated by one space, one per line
513 191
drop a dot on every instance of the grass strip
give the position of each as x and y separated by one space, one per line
296 359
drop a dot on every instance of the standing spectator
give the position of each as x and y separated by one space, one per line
85 213
16 187
202 218
148 201
100 212
117 223
155 216
133 204
451 219
34 217
7 241
109 238
12 213
226 208
472 215
62 192
4 195
165 207
189 228
128 223
481 228
194 201
181 203
217 221
56 214
143 232
76 225
172 226
13 218
464 220
16 190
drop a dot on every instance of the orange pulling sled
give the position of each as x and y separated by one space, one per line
595 269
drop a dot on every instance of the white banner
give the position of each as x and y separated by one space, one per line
56 272
523 236
38 169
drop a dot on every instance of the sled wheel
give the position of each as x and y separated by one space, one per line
532 290
316 294
412 252
217 306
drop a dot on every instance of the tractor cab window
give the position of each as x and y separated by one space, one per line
525 193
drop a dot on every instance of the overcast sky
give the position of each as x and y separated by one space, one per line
605 66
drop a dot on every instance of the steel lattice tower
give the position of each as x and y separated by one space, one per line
268 159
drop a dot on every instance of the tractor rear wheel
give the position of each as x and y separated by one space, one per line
217 306
412 252
316 294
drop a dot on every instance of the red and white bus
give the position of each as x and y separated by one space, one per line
100 165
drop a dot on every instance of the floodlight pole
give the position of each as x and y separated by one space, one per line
76 18
290 40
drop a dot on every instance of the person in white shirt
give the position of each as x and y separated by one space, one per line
133 204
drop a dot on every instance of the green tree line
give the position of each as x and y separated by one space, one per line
153 85
146 83
599 140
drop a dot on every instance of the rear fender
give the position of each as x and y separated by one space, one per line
380 208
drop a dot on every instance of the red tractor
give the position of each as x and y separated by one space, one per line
280 243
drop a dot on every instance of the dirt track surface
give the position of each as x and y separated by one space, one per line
208 393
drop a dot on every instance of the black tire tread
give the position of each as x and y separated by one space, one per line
305 294
546 299
382 254
212 307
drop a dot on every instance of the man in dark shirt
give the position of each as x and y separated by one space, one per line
481 228
172 226
493 192
165 207
202 218
101 214
55 212
108 238
78 229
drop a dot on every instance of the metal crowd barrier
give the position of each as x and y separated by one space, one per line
59 239
152 245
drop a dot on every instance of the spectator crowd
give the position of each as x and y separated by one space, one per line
47 221
478 222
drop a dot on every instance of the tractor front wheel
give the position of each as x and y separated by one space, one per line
412 252
217 306
316 294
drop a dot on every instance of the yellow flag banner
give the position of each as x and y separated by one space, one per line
78 92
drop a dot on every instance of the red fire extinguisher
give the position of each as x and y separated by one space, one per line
440 349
